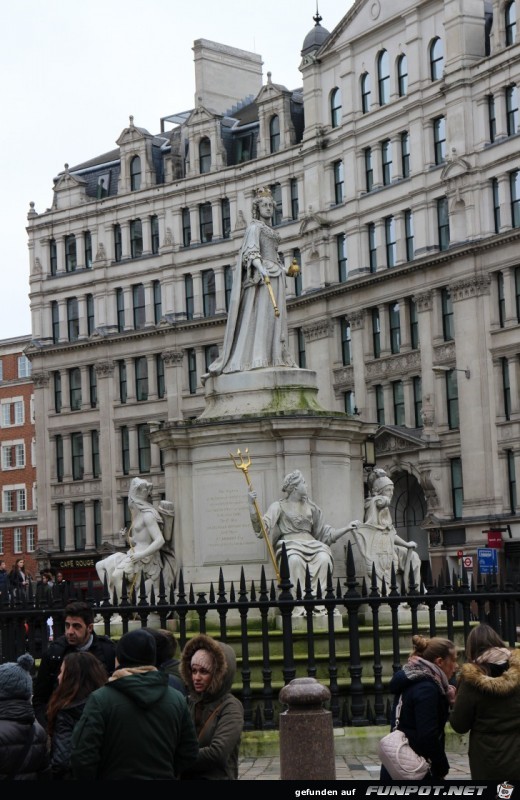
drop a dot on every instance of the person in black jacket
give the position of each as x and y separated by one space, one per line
424 683
79 635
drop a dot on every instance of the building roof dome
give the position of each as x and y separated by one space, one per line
315 37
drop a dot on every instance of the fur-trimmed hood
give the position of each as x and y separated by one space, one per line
501 685
225 661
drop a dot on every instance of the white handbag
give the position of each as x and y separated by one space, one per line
398 758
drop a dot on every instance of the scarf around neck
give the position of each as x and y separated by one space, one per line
494 655
418 668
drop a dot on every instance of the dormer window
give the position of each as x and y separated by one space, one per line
204 155
274 134
135 174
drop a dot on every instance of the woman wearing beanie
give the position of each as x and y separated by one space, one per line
208 668
23 741
488 705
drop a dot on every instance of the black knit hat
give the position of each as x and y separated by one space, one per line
136 649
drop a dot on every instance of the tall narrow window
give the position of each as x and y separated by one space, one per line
76 445
383 77
386 161
274 134
398 398
452 399
141 378
457 490
118 242
372 247
492 118
94 450
89 299
136 238
73 319
394 316
192 370
98 524
206 222
510 20
408 233
517 293
436 59
405 154
228 283
439 140
210 355
380 404
338 181
125 449
414 323
120 309
60 467
341 249
402 75
204 155
70 254
335 108
80 530
276 191
501 299
75 388
55 313
369 169
511 481
294 199
448 331
135 174
53 257
186 227
92 385
154 233
138 300
390 242
350 402
376 333
417 402
57 392
300 343
144 454
514 183
506 387
225 214
159 371
512 110
87 249
365 93
209 295
123 383
443 223
157 301
188 295
346 342
60 517
496 204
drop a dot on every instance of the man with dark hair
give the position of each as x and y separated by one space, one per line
79 635
4 583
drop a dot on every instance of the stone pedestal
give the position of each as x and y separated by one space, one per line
306 733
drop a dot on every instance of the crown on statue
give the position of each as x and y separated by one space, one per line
263 192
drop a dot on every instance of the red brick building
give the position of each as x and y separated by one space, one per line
18 513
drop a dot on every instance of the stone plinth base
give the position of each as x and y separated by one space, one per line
319 623
404 615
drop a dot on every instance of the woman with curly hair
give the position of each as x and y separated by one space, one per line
80 674
424 685
488 705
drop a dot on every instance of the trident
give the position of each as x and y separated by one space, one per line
243 464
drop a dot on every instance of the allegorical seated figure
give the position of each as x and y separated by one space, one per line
150 540
377 538
298 523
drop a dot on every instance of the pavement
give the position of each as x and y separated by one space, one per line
348 768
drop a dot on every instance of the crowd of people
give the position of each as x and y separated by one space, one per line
16 582
76 719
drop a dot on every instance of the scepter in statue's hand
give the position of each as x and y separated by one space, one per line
243 463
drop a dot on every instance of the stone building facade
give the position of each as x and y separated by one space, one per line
396 175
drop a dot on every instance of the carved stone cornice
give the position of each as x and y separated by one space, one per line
40 379
318 330
423 301
474 286
357 320
393 365
391 443
173 356
343 377
105 369
444 352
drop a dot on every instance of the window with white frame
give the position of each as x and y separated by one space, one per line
1 370
1 541
14 498
13 455
17 540
24 367
30 539
12 412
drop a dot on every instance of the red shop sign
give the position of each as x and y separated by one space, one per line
494 539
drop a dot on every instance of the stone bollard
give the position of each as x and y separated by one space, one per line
306 733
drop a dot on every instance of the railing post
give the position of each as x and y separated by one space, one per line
306 732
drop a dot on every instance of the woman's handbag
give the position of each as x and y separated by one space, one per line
397 757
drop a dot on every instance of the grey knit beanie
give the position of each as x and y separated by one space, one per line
15 679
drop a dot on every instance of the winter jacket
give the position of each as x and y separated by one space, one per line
61 741
4 586
16 720
423 716
489 708
220 739
47 677
135 727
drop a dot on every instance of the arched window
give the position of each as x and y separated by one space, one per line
383 77
365 92
402 75
436 59
335 107
204 155
274 133
135 174
510 23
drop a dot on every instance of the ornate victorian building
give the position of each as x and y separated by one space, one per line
396 173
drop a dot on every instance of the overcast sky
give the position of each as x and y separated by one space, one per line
73 72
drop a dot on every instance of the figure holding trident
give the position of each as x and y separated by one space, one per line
243 464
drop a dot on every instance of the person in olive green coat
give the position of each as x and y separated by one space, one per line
208 668
488 706
136 727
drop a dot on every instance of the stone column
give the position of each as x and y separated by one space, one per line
173 361
306 733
